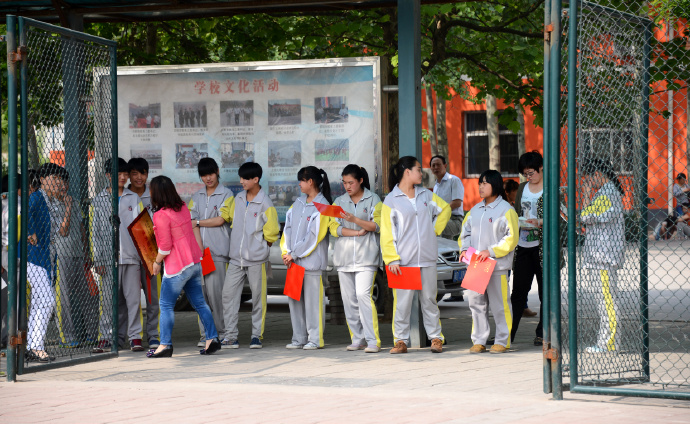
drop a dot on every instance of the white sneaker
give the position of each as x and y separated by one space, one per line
202 343
372 349
294 345
356 346
595 349
310 346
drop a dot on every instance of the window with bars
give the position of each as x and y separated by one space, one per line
477 147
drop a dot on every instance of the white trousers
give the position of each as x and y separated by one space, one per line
496 297
402 308
360 311
41 307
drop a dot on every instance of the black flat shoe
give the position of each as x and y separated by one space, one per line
212 348
39 356
167 352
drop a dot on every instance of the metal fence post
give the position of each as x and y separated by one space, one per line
548 171
553 200
572 190
12 199
113 180
24 217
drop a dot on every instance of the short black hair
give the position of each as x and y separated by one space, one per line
6 183
511 186
48 169
495 180
250 170
530 160
122 166
443 159
207 166
681 175
138 164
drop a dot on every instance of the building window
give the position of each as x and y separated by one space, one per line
616 146
477 147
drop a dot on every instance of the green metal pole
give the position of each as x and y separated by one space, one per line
24 217
12 200
548 174
554 286
572 191
644 159
113 181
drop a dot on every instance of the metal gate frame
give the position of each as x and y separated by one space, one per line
553 369
17 66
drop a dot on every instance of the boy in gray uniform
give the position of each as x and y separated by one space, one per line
138 175
255 228
210 208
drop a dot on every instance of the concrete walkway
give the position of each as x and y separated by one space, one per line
276 385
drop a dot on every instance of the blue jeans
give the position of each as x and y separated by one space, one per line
190 281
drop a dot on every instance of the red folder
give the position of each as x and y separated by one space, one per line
329 210
409 279
478 274
293 281
207 265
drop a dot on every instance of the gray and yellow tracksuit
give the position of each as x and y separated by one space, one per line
254 227
152 308
603 255
217 239
408 239
129 263
492 227
357 259
305 238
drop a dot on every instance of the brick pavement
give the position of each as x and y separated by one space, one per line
275 385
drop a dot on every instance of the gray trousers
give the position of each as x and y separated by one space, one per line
235 278
402 308
76 308
496 297
213 294
453 228
360 311
129 306
105 301
152 309
308 315
606 299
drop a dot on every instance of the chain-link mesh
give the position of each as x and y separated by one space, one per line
631 264
69 270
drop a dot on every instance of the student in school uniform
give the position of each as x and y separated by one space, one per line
255 228
305 242
357 256
210 208
411 218
138 176
491 227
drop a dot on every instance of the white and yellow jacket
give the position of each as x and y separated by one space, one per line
408 233
305 236
492 227
357 253
203 207
254 226
604 229
100 223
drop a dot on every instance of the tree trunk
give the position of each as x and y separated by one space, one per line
151 39
492 129
522 149
34 159
441 133
430 120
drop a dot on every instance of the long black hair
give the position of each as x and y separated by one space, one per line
398 170
590 166
495 180
358 173
320 179
164 194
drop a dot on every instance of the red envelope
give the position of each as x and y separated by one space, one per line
478 274
409 279
293 281
207 265
329 210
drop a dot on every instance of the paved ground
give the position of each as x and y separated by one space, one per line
330 385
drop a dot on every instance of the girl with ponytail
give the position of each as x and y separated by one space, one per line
305 242
357 256
411 218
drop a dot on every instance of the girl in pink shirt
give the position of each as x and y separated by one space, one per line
179 249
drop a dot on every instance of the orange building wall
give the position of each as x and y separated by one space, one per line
455 109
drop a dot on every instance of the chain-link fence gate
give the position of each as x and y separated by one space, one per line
618 239
63 273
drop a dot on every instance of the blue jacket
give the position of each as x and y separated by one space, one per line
39 224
